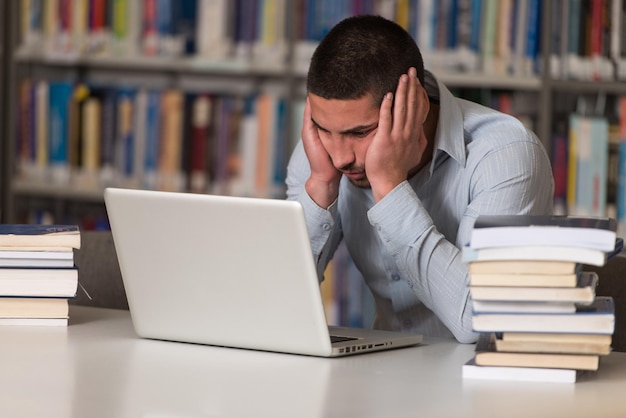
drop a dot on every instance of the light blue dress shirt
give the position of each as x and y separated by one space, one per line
407 246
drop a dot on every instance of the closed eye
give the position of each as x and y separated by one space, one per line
360 133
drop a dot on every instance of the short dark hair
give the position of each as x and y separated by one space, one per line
362 54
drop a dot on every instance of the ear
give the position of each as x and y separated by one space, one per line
424 107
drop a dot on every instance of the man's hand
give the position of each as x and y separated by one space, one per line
399 143
323 184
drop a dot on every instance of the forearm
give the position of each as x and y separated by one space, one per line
322 222
324 231
431 263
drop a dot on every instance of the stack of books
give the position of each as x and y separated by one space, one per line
535 308
37 273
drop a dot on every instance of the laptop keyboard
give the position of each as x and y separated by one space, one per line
338 339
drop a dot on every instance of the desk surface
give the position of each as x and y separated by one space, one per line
97 367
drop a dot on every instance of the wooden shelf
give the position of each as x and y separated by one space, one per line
229 67
65 192
490 81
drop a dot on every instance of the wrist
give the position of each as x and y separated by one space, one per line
323 193
383 188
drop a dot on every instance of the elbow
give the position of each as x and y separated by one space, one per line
466 336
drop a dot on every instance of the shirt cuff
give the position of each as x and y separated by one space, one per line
320 222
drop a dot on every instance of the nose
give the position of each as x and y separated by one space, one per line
342 153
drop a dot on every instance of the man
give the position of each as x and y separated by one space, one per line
398 168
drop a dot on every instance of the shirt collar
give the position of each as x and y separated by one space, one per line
449 137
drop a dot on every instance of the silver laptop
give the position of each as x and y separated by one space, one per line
227 271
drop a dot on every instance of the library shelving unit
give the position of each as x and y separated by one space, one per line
5 59
548 96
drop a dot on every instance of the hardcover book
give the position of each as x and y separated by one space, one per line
544 267
520 374
579 255
598 318
583 293
25 235
496 306
555 343
516 279
487 355
520 230
61 259
38 282
34 307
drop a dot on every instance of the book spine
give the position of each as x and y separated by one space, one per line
153 128
171 139
200 120
555 38
149 37
80 23
108 137
91 135
621 185
488 37
60 95
124 141
559 169
574 60
140 126
572 163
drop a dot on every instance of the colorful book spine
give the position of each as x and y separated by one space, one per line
153 128
621 183
60 94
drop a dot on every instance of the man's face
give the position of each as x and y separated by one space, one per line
346 129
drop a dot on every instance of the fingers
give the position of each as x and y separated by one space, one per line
307 124
411 99
309 131
407 104
385 120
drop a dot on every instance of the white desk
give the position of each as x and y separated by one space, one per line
97 367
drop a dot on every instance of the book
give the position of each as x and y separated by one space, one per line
59 95
589 154
546 267
557 337
34 307
621 167
597 318
200 124
47 322
597 346
25 235
487 355
559 165
39 282
521 230
520 279
537 253
520 374
485 306
584 292
36 258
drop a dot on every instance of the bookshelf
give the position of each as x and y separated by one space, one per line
547 92
6 43
544 96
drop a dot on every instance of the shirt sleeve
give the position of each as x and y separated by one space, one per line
323 224
434 264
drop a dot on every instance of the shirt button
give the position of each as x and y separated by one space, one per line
407 323
395 277
326 227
